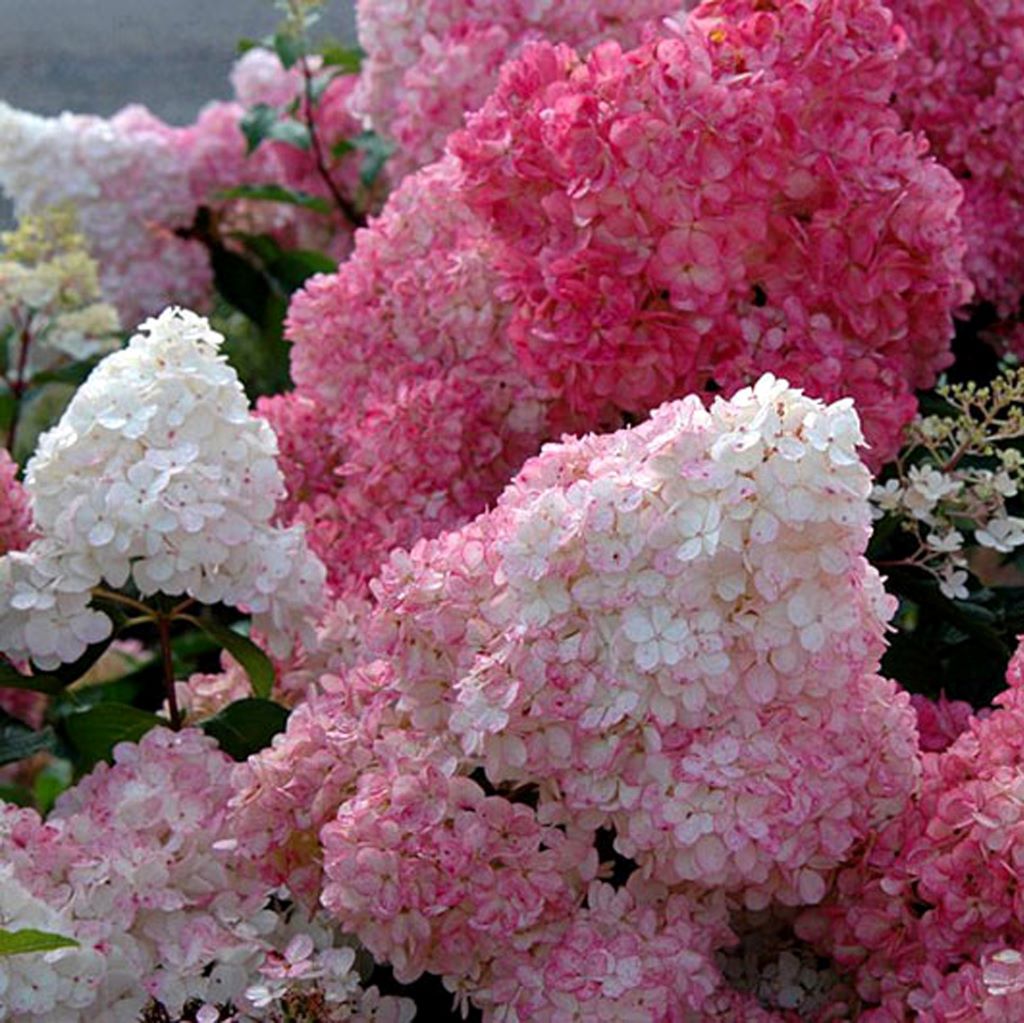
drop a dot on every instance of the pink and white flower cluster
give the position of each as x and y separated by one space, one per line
428 64
136 865
667 635
610 233
137 183
733 198
410 412
158 475
929 918
959 82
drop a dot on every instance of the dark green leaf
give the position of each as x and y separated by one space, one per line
255 662
257 124
14 679
8 405
262 246
18 740
95 732
246 44
16 795
289 48
246 726
292 269
68 673
294 133
263 123
241 283
28 939
74 373
376 151
142 686
278 193
342 148
348 59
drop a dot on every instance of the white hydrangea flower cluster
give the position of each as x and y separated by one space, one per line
158 476
953 478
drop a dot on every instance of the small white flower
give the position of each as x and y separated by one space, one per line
1002 534
945 543
952 582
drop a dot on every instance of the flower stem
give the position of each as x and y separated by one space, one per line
163 625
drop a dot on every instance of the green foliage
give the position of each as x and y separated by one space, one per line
246 726
255 662
278 193
263 122
18 740
28 940
93 733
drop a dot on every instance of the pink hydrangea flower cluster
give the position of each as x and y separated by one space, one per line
128 180
430 62
667 635
410 413
135 863
929 919
503 298
733 198
137 184
15 514
959 82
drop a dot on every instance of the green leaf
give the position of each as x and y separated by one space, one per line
278 193
294 133
8 406
257 124
376 151
13 943
342 148
142 686
292 269
256 663
241 283
348 59
73 373
263 123
14 679
245 44
18 740
95 732
289 48
49 783
246 726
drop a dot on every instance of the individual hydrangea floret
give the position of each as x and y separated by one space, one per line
156 476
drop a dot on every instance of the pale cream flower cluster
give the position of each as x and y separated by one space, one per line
158 479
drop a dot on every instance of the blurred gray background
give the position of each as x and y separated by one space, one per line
94 56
